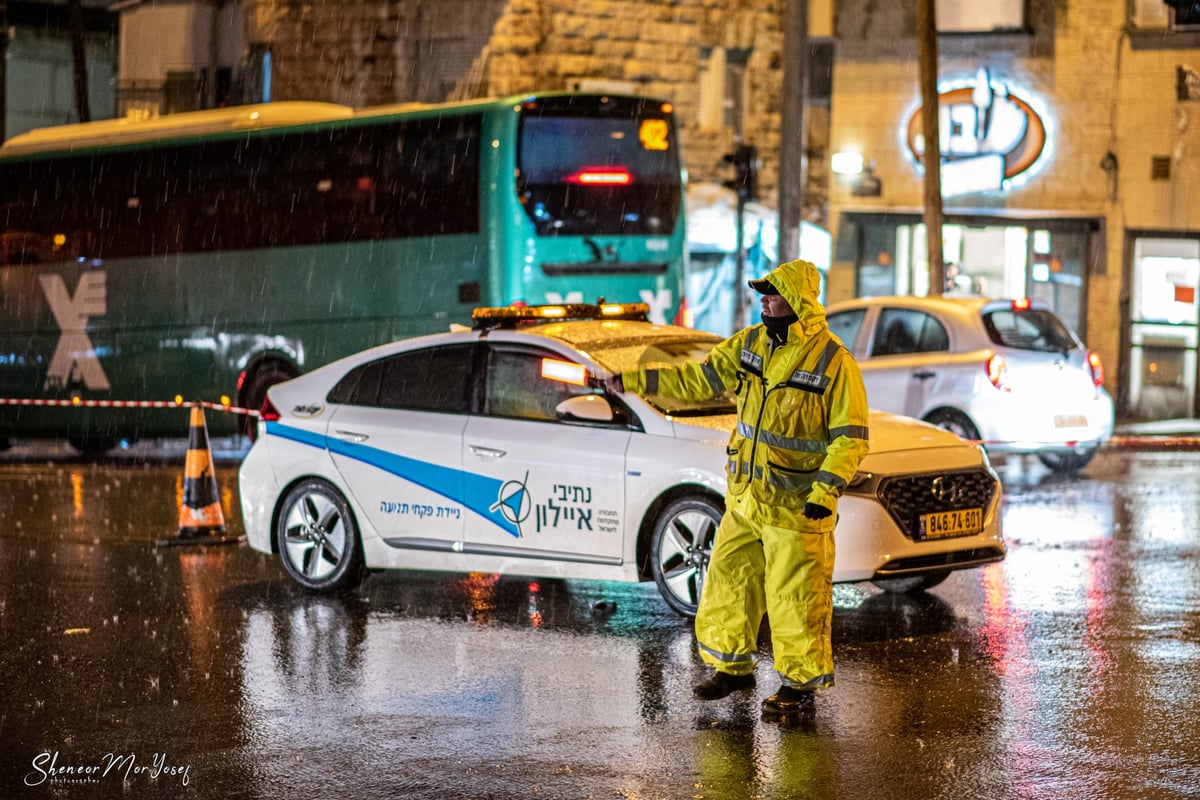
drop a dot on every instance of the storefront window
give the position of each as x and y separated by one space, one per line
991 258
1163 332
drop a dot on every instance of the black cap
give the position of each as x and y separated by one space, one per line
763 286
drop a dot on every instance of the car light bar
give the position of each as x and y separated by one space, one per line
511 316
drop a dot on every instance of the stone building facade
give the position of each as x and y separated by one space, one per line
372 52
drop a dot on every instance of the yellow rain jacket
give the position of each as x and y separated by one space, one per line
801 432
801 407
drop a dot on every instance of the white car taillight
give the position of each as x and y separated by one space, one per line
268 412
996 368
1097 367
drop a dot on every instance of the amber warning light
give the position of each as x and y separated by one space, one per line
601 176
564 372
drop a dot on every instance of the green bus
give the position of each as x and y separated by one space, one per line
205 256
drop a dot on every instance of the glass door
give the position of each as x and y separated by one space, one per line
1163 328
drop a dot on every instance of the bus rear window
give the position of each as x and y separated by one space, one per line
599 166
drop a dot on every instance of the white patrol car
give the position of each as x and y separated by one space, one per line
492 450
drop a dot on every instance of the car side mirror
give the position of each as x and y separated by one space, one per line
584 408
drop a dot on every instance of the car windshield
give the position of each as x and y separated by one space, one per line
628 354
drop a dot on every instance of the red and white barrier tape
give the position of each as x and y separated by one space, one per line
1145 442
78 402
1153 442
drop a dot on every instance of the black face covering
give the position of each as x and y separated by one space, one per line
777 327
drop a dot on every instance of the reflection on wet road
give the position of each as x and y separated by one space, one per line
1067 671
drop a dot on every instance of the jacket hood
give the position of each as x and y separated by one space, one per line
799 283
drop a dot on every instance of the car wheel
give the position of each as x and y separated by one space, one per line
1064 461
912 584
954 421
318 539
681 548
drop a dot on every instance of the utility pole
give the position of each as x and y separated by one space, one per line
79 55
3 69
927 54
792 139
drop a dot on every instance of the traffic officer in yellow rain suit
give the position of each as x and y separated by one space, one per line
801 431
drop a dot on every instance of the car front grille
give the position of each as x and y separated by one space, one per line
909 497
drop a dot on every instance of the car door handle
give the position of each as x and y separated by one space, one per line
487 452
924 376
352 436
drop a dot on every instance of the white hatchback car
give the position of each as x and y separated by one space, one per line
1008 373
490 450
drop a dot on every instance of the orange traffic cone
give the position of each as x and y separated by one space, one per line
200 518
200 513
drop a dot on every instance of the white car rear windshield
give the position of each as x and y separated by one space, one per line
1029 329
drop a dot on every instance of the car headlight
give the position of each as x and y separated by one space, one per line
983 455
863 483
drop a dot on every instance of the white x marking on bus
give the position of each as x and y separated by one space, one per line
74 357
659 301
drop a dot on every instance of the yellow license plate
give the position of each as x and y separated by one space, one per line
944 524
1070 421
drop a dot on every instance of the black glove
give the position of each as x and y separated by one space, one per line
814 511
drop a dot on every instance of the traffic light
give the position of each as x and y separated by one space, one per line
744 159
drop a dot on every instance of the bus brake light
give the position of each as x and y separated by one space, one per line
601 176
564 371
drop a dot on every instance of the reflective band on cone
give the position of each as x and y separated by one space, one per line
200 518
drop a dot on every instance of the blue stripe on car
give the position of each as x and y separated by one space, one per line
479 493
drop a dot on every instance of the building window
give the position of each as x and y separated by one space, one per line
723 89
1165 14
972 16
820 72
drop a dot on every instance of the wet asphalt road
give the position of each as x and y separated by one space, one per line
1067 671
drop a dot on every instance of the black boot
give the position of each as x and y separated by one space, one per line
722 684
787 701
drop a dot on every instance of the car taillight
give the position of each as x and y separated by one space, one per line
268 412
1097 367
683 317
1021 304
996 367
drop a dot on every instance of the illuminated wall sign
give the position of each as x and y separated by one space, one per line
987 137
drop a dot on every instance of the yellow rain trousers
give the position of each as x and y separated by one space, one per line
801 432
